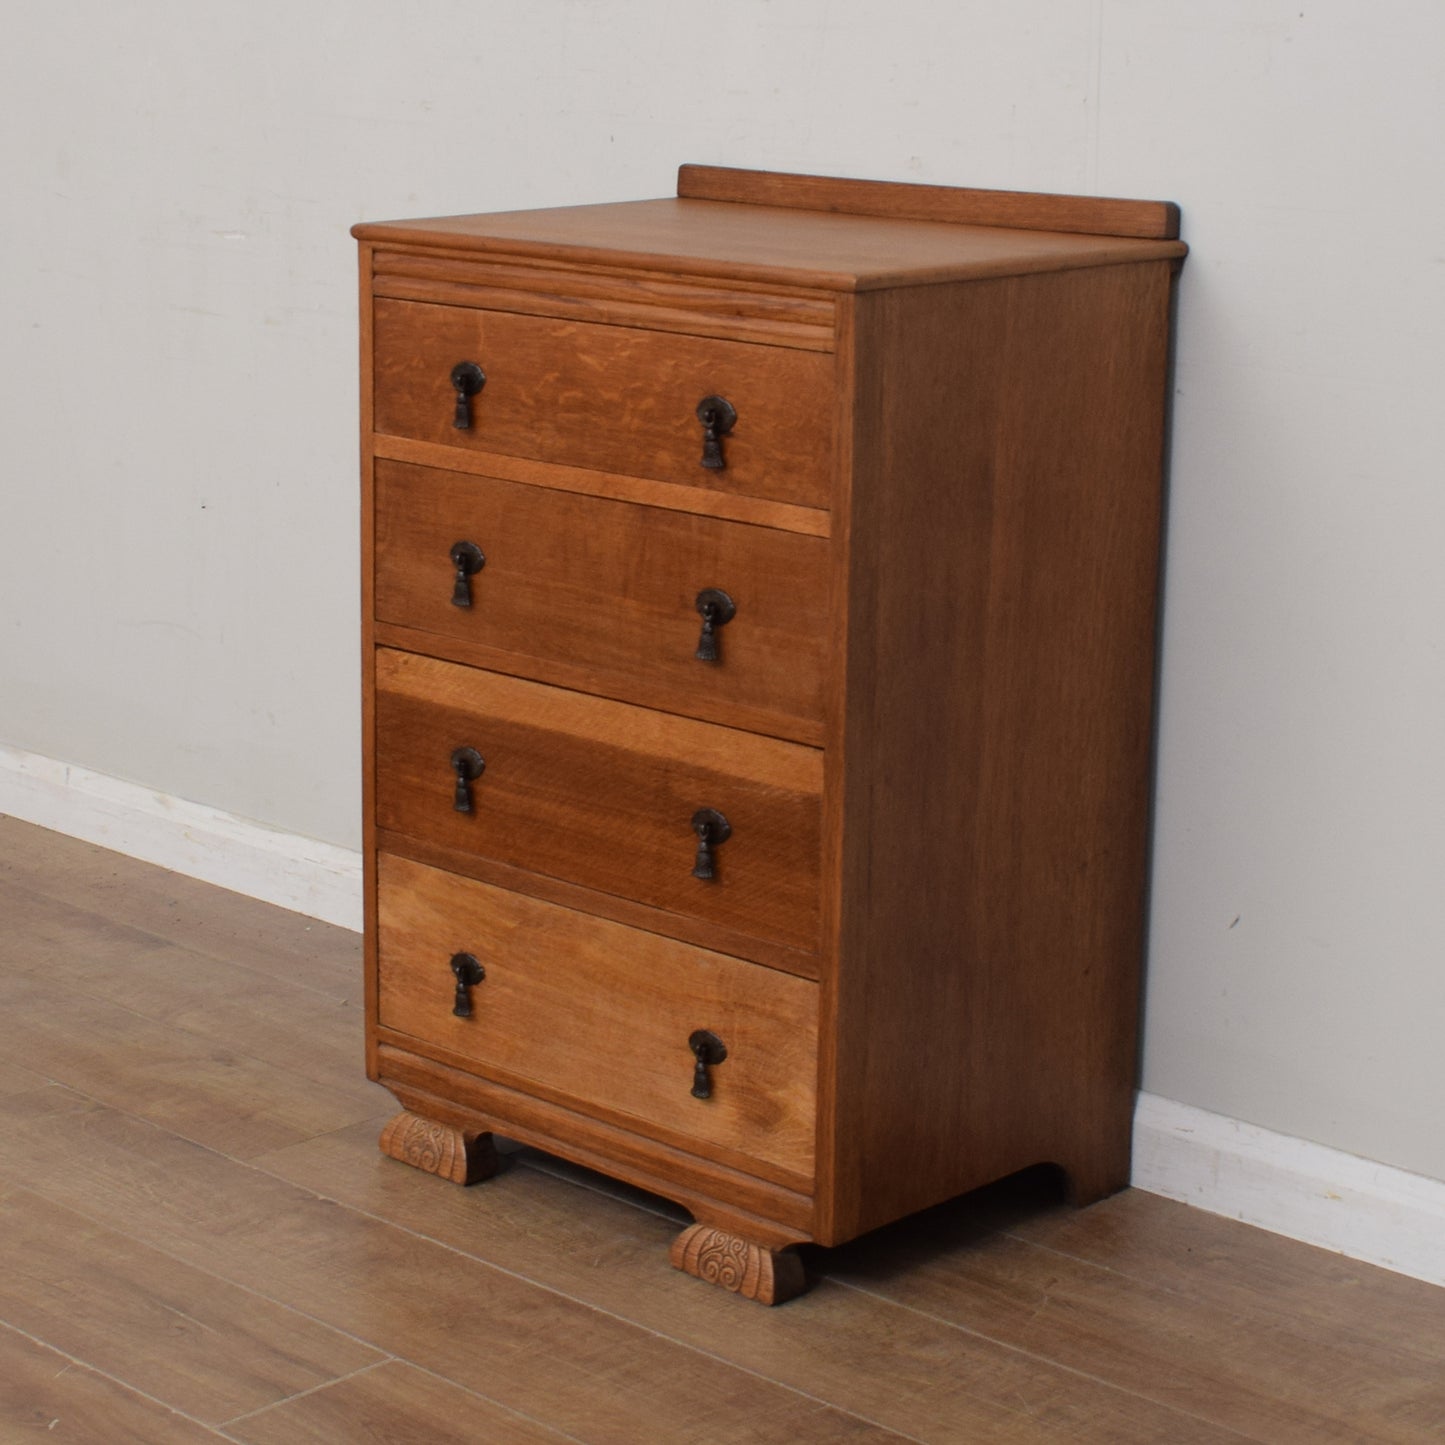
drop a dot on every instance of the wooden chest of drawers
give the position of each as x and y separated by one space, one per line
759 596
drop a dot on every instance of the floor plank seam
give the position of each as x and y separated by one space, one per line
1023 1322
340 1331
100 1101
595 1309
411 1365
804 1394
1060 1365
310 1390
37 1188
377 1121
556 1430
1284 1318
230 965
207 1044
1129 1275
622 1319
107 1221
116 1380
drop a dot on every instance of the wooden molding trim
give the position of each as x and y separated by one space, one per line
1356 1207
906 201
670 496
767 315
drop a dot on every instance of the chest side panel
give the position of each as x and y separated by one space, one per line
1004 537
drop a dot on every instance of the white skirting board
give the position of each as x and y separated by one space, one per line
1306 1191
302 874
1368 1211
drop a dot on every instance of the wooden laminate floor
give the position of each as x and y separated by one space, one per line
200 1241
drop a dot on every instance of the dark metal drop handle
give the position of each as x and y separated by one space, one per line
718 417
716 609
467 558
468 973
467 380
711 829
707 1050
467 764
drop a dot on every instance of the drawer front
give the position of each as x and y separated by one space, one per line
607 591
610 398
602 794
600 1014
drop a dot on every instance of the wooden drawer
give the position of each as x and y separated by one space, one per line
602 594
608 397
602 794
600 1014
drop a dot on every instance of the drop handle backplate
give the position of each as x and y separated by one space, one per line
467 380
711 829
718 417
707 1051
468 972
468 560
716 609
468 764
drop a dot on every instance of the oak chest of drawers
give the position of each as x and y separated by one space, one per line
759 601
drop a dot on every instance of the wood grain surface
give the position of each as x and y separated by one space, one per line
542 1301
601 1014
959 847
705 933
956 205
591 482
745 1193
995 750
397 1404
771 314
603 794
46 1395
607 397
600 595
211 1348
776 244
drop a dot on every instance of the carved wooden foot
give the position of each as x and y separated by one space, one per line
754 1271
455 1154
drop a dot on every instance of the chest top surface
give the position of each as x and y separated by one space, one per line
833 235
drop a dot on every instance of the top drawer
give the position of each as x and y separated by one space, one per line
611 398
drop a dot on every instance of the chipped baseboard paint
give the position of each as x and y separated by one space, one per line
1356 1207
302 874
